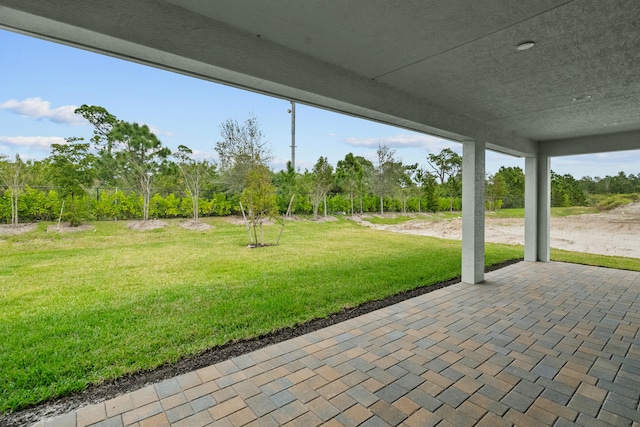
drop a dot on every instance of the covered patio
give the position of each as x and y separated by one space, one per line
536 344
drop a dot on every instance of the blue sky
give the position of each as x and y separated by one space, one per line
43 82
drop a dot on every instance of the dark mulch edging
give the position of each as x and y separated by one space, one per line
109 389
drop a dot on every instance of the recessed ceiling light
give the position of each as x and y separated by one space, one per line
611 124
582 98
525 45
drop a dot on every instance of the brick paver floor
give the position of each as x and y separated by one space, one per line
536 344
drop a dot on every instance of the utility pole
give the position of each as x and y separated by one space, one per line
292 110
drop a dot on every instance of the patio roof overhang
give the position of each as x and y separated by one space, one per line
450 69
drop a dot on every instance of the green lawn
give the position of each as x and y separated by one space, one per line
393 220
619 262
80 308
500 213
519 212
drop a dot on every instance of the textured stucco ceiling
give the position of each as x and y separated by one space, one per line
447 68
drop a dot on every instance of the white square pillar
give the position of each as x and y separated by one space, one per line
544 208
531 209
473 167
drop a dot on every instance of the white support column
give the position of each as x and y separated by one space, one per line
531 209
544 208
473 167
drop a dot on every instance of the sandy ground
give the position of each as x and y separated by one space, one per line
616 232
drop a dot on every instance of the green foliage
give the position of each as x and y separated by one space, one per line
126 150
449 204
566 191
512 194
71 171
195 174
447 166
242 147
14 176
351 175
259 197
387 177
220 206
608 202
322 181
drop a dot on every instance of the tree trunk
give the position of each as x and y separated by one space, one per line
14 206
381 205
196 207
324 197
351 194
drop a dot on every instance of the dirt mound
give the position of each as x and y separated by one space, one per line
66 228
328 218
195 226
8 229
630 211
611 233
146 225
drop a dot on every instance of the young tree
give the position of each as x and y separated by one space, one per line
105 164
286 183
418 176
349 174
495 189
407 186
140 156
388 173
513 178
447 166
242 147
364 180
430 191
71 172
132 150
14 177
322 183
194 172
259 195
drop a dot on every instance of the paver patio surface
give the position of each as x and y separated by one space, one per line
536 344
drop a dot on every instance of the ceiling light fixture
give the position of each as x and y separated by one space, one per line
582 98
525 45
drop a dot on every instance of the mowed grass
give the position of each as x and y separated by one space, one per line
555 211
80 308
622 263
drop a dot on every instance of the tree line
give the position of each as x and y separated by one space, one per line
124 172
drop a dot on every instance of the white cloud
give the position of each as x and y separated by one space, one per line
428 142
204 155
159 132
278 163
36 108
38 142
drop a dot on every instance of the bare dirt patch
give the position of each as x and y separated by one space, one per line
612 233
10 230
66 228
195 226
151 224
327 218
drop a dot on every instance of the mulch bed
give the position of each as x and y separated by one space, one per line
128 383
